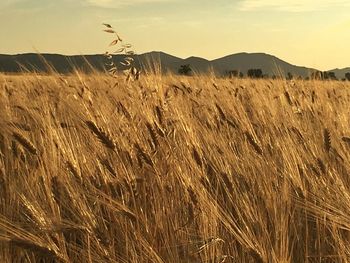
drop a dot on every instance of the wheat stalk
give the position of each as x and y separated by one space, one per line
197 157
254 143
289 98
153 134
102 135
27 144
131 72
142 155
108 166
327 143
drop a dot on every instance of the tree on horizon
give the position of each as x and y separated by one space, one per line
347 76
185 70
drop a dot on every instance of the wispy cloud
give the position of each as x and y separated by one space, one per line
291 6
120 3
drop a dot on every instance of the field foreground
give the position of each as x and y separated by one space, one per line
172 169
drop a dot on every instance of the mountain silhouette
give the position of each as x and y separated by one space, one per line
269 64
159 62
340 73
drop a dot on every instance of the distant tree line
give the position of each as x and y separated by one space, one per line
234 74
256 73
323 75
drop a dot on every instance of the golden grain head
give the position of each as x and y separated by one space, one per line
227 174
26 143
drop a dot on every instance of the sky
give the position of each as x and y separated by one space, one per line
312 33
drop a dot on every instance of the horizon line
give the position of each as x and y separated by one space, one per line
159 51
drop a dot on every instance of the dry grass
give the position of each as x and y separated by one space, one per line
171 169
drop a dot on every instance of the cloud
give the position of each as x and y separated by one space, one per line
291 6
120 3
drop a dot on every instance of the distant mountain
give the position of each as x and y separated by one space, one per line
60 63
158 61
340 73
267 63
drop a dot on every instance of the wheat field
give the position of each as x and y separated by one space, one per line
173 169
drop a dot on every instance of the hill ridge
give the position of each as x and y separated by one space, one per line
242 61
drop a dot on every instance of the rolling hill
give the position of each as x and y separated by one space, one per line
158 61
340 73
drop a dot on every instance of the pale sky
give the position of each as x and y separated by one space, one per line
312 33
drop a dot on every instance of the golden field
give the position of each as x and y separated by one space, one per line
173 169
